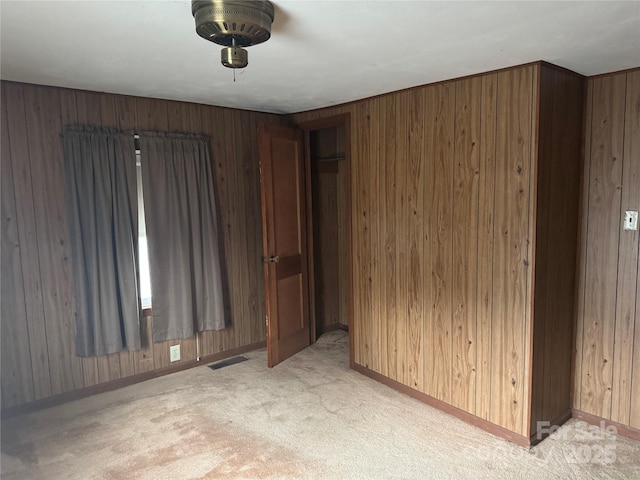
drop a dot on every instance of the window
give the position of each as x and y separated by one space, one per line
143 252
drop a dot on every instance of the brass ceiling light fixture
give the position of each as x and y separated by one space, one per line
233 24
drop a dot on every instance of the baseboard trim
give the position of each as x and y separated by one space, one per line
556 422
123 382
485 425
624 430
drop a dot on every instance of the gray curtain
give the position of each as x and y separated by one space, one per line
100 167
182 235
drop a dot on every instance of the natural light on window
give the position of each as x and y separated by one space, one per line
145 275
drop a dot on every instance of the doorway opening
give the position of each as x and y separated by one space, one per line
327 142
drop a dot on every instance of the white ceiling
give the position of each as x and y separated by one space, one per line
321 52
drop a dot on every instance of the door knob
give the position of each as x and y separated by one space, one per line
274 259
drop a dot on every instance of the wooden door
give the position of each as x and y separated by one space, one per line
284 240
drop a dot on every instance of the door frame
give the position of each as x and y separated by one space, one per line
307 127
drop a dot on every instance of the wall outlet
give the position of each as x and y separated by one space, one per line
174 353
630 220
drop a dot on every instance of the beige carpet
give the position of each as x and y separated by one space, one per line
310 417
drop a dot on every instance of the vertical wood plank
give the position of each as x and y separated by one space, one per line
375 279
223 152
440 138
253 217
364 237
16 128
465 241
389 344
402 244
416 166
355 234
602 244
15 360
582 249
530 246
512 184
379 341
236 231
486 201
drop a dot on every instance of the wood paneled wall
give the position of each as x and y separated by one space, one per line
443 208
38 354
607 367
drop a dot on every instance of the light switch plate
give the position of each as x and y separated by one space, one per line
630 220
174 353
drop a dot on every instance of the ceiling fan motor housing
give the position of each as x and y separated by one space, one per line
234 57
233 24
